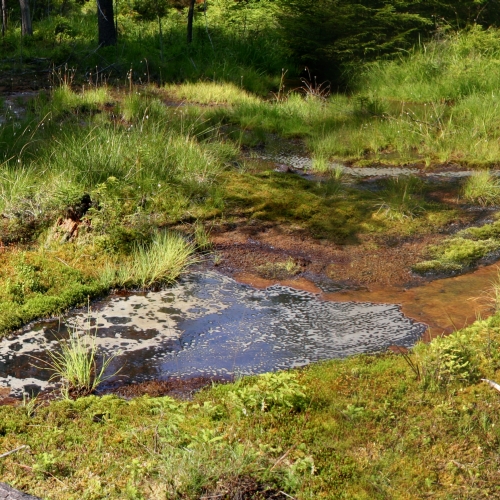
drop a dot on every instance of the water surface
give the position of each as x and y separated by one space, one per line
210 325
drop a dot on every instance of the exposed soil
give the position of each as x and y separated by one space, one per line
174 387
244 248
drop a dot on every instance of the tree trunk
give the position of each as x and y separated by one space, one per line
190 21
105 22
26 28
4 17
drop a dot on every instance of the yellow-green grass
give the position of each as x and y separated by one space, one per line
328 211
211 93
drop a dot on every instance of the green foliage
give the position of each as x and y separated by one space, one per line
75 364
447 360
159 263
462 250
328 35
201 235
274 392
463 357
452 67
482 188
279 270
399 198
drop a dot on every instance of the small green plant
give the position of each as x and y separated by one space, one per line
279 270
30 404
369 106
319 164
158 263
76 363
202 237
279 391
482 188
332 184
311 88
398 200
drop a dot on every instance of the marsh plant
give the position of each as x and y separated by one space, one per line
76 363
279 270
482 188
158 263
399 198
331 185
201 237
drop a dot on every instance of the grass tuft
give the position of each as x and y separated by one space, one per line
76 365
159 263
482 188
399 199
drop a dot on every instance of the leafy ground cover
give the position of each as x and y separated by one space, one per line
99 185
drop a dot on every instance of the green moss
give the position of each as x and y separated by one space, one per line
344 426
340 214
436 266
464 250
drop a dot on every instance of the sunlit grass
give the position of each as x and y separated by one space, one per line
159 263
76 365
399 199
211 93
482 188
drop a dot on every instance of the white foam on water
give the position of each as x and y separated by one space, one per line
208 324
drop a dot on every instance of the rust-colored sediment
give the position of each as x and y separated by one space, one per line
444 305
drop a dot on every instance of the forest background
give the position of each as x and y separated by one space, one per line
246 42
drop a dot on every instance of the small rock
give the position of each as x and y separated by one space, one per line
8 493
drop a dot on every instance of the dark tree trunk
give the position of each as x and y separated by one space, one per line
190 21
105 21
4 17
26 28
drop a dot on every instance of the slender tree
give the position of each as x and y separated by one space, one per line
190 21
26 28
4 17
106 23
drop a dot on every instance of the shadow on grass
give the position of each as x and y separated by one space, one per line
290 199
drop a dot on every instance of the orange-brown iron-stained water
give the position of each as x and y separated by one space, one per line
444 305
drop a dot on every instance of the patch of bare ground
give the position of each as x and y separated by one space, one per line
244 248
173 387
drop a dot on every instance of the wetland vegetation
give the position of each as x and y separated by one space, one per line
122 165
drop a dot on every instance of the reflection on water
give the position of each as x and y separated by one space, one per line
444 305
209 325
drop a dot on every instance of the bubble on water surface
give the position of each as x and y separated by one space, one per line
209 324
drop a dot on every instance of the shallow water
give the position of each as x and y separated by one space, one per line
211 325
304 163
14 106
